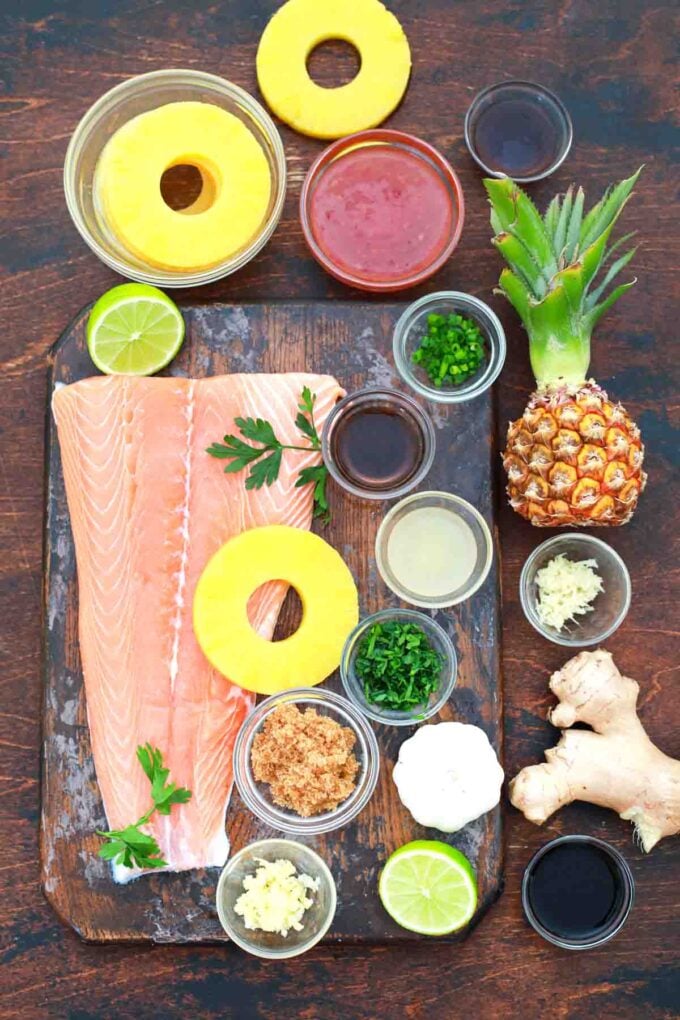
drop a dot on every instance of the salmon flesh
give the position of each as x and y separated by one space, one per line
148 508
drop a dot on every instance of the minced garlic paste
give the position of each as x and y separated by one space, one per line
275 897
566 590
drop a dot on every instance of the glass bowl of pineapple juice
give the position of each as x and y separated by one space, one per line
139 95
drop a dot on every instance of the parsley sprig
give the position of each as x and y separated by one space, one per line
264 460
130 846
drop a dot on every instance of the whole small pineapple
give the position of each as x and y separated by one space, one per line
574 457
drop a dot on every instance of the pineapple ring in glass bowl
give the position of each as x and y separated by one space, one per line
230 208
297 28
140 95
330 609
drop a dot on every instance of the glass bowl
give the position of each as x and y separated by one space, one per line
127 100
622 908
256 796
547 106
468 515
412 326
414 146
609 607
316 920
440 641
391 401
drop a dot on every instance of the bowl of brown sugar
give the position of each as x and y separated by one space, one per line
306 761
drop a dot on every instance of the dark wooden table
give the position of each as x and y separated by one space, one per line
612 63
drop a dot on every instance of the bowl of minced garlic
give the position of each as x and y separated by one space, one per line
306 761
276 898
575 590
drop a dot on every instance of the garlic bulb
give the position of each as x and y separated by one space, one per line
447 775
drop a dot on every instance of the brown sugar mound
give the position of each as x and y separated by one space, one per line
307 760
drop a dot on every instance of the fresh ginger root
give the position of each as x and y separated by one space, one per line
614 765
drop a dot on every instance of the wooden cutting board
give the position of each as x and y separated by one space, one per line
352 341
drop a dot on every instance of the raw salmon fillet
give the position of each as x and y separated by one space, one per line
148 508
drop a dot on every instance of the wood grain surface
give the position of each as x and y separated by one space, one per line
614 64
351 340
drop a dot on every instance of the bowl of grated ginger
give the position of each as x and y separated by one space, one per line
276 898
575 590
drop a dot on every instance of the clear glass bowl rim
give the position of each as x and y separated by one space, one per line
626 875
536 87
495 337
527 606
178 76
315 825
251 947
446 688
380 552
429 436
381 135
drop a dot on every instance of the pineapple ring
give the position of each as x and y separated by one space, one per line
301 25
329 609
230 208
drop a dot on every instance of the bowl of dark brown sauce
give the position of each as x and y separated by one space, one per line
378 443
518 129
577 892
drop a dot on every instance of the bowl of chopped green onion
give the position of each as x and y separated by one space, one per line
449 346
399 667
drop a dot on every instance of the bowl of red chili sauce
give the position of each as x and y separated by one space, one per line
381 210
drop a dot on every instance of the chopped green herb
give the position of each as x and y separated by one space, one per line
451 351
130 846
265 471
397 666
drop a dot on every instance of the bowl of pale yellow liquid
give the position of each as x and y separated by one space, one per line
434 549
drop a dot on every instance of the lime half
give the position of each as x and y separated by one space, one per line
429 887
134 329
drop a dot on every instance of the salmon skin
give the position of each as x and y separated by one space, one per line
148 509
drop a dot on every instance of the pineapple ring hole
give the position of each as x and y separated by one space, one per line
188 188
333 63
290 616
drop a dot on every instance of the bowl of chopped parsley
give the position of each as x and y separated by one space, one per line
399 667
449 347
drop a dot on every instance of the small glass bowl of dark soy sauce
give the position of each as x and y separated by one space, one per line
518 129
577 892
378 443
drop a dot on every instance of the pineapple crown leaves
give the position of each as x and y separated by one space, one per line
560 251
